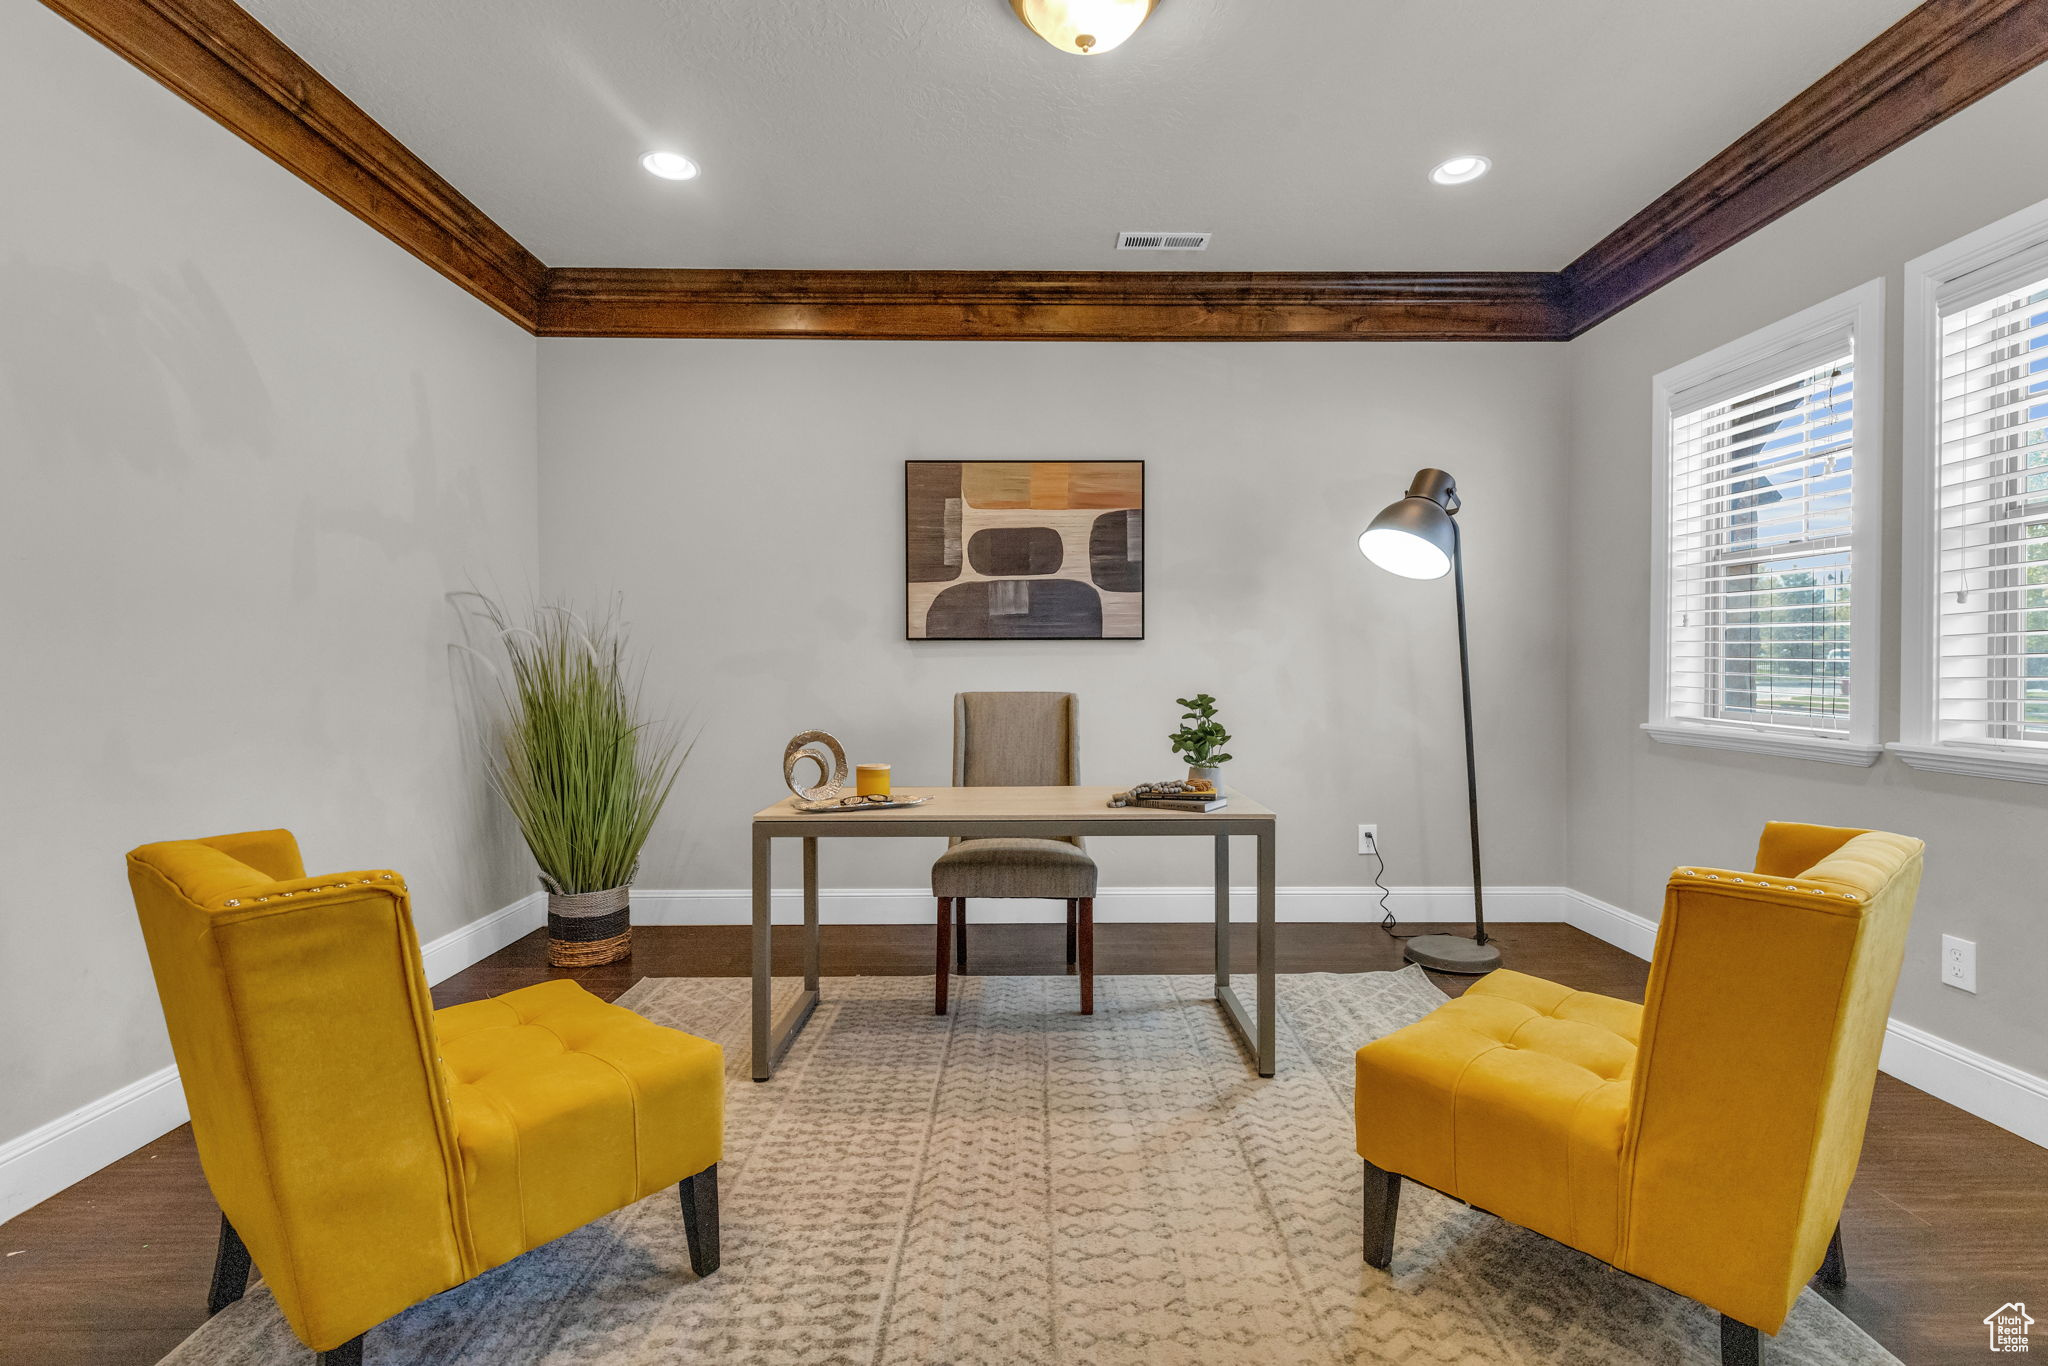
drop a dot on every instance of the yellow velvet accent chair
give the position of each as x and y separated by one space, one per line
369 1151
1704 1140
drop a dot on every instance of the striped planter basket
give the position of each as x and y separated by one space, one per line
588 928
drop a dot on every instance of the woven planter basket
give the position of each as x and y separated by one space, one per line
588 928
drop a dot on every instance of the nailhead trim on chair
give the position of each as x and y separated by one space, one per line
1784 885
330 887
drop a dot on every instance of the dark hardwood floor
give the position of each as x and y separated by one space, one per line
1947 1221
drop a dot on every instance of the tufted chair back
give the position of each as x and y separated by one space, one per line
1766 1010
303 1031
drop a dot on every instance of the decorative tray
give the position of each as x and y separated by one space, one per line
843 804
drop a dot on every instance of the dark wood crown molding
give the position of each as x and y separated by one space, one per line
221 60
1053 306
1941 58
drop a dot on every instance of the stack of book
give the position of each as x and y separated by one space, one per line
1178 795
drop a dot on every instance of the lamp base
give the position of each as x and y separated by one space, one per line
1452 953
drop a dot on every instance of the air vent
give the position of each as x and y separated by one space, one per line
1163 241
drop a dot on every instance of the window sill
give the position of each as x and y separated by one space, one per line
1858 754
2019 766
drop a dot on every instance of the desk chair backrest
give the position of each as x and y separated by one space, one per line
1016 739
303 1031
1766 1010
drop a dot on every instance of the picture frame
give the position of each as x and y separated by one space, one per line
1024 549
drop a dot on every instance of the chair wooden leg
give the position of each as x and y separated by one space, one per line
350 1353
1834 1268
1072 908
1382 1207
1085 914
960 933
230 1269
700 1219
945 954
1741 1345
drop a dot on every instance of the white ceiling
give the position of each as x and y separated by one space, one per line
941 134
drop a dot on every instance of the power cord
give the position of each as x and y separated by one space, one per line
1387 921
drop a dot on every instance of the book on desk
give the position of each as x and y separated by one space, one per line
1174 795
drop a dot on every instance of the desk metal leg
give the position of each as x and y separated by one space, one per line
764 966
810 915
1258 1038
1222 915
773 1038
1268 954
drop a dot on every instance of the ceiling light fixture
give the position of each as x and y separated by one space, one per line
670 165
1086 28
1459 170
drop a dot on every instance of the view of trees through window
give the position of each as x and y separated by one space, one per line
1761 536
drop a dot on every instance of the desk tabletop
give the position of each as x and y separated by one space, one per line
1076 807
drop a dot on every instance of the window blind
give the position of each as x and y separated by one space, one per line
1761 508
1991 507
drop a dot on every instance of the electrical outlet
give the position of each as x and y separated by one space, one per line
1368 839
1959 963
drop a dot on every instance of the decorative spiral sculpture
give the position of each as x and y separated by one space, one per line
818 747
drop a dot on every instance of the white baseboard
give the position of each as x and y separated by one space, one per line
1624 929
1989 1089
71 1147
482 937
45 1160
1114 905
1993 1091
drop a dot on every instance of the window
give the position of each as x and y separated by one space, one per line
1975 628
1765 550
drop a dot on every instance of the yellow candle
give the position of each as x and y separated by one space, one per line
871 780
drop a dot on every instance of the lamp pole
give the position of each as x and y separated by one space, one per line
1471 756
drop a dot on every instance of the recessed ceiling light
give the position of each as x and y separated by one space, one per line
670 165
1458 170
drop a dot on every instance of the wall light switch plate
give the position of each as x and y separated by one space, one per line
1368 839
1959 962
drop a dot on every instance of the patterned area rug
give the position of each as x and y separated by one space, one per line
1017 1185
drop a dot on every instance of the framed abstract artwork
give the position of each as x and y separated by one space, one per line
1024 549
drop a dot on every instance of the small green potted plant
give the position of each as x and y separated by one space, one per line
1200 739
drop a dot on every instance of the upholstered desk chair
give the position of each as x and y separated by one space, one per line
1704 1140
1016 739
369 1151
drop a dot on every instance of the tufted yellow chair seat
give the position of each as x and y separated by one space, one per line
567 1108
368 1151
1704 1141
1513 1097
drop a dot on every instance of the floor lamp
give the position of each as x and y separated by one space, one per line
1418 538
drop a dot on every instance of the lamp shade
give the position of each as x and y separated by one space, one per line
1415 537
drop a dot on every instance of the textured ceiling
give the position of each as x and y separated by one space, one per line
940 134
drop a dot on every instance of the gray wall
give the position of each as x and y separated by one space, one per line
1638 807
746 497
248 444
